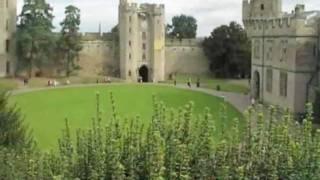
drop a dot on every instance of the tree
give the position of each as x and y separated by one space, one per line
70 42
183 26
13 132
35 39
229 51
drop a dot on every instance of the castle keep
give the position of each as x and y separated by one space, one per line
7 30
142 41
285 53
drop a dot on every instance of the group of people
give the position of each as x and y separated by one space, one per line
106 79
189 82
55 83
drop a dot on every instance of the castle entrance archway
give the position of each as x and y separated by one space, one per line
144 73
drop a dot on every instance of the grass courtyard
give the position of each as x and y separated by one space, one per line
46 111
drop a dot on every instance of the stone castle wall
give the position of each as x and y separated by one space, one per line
185 57
98 57
7 31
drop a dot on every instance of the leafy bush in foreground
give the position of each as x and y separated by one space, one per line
177 145
13 132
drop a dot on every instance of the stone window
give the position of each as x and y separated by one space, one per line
283 50
144 57
256 49
130 56
144 35
144 46
269 80
283 84
130 43
8 67
262 7
129 73
269 51
7 45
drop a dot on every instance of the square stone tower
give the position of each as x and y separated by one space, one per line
8 14
142 41
285 53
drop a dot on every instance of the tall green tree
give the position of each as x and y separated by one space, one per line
229 51
70 42
182 26
35 39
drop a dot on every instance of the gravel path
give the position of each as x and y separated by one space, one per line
239 101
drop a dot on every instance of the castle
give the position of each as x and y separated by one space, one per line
144 51
285 53
7 33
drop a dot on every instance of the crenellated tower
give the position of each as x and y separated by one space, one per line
8 11
142 41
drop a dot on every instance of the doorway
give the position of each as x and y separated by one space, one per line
144 73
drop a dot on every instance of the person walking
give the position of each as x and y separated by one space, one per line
189 83
198 83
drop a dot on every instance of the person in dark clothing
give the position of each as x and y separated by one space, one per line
198 83
25 81
189 83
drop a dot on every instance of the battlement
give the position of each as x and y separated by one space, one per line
145 7
184 42
287 22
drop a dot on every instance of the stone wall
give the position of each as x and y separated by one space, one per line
7 39
97 58
185 56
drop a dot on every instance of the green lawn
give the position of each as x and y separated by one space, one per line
227 85
45 111
7 84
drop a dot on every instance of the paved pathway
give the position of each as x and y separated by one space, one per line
239 101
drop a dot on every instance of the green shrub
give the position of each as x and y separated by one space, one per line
13 132
177 145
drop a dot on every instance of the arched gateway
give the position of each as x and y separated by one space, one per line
144 73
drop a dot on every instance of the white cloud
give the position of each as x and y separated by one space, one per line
209 13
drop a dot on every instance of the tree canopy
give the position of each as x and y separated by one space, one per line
182 26
229 51
34 35
70 41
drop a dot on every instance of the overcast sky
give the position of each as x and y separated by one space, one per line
209 13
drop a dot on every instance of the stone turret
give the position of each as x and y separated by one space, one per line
261 8
8 11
